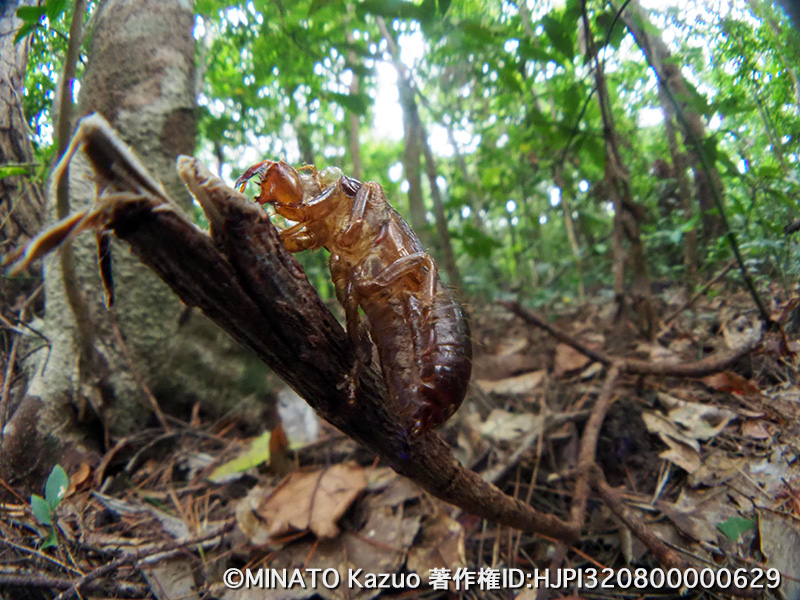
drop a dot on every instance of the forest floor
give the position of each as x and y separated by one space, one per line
710 464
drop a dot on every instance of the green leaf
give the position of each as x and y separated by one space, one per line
710 149
559 35
394 9
50 540
736 526
319 5
10 170
31 14
25 30
256 454
478 244
41 510
604 22
55 8
696 101
56 486
355 104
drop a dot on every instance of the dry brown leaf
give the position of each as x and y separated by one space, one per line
503 426
311 500
700 421
666 428
379 547
78 478
717 467
780 539
755 430
441 545
690 521
681 455
393 492
568 359
728 381
509 346
521 384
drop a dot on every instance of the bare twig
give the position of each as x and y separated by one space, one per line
586 461
667 557
244 279
699 293
133 559
120 589
588 448
700 368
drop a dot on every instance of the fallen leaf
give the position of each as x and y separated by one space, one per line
568 359
521 384
393 491
172 578
504 426
78 478
755 430
735 527
666 428
780 540
592 370
255 454
441 545
700 421
509 346
728 381
680 454
717 467
312 500
379 546
691 522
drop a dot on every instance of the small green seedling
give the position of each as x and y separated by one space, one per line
736 526
44 509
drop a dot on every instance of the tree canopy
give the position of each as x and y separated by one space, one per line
508 104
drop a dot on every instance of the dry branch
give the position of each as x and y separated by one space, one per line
700 368
242 277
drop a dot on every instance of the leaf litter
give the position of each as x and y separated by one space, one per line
710 464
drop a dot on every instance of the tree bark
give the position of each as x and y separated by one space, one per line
706 177
569 223
140 76
412 135
448 256
626 212
353 119
679 165
21 200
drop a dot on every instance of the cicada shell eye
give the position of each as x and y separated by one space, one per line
281 186
330 175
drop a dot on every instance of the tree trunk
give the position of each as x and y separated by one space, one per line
21 201
412 146
448 256
706 176
626 213
140 76
569 223
353 119
679 165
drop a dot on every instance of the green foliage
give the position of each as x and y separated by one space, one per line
734 527
513 87
44 509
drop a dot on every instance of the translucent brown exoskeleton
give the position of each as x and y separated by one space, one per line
378 263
